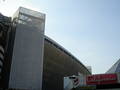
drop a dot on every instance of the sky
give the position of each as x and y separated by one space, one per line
89 29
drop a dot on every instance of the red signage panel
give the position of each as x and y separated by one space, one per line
101 79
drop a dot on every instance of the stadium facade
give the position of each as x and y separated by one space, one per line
31 60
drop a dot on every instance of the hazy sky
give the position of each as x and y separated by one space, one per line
89 29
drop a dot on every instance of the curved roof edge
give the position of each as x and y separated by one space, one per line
65 51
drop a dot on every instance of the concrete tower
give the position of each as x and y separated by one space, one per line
27 58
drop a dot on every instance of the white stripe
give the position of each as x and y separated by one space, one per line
1 48
1 56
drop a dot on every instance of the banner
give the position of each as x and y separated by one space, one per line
101 79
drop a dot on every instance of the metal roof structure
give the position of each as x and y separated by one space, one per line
115 68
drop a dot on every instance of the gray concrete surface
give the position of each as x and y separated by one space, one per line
27 60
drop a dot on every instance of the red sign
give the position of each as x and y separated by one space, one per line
101 79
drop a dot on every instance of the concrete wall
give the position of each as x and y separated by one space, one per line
57 64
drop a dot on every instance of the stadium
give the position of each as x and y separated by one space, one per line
58 64
32 60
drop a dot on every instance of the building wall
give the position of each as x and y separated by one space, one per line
57 64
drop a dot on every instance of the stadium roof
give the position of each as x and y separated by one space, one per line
115 68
